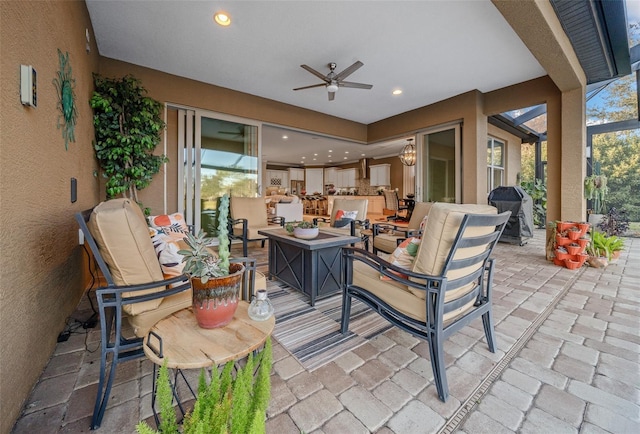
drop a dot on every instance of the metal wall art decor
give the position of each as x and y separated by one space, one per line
66 99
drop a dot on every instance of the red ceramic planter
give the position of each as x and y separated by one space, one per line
215 302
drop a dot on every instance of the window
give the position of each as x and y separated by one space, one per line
495 163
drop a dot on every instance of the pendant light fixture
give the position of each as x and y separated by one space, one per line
408 154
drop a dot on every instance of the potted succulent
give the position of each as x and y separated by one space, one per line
215 283
302 229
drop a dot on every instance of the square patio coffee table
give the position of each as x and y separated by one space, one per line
313 267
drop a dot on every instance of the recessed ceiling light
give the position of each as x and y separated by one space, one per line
285 137
304 158
315 155
345 158
222 18
330 150
362 155
397 92
314 159
346 152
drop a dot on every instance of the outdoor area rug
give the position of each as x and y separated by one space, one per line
312 334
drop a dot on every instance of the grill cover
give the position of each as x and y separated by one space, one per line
520 224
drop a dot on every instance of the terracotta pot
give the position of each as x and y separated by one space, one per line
584 228
215 302
583 242
562 241
571 264
573 249
564 226
573 234
562 255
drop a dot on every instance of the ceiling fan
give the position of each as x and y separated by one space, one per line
333 81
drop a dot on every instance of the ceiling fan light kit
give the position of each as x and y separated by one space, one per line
333 81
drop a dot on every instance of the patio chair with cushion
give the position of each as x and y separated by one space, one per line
247 216
447 286
133 294
348 217
387 236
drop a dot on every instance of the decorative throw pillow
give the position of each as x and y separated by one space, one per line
168 223
344 218
403 256
423 224
167 247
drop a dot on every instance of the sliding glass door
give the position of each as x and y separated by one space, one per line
438 169
218 155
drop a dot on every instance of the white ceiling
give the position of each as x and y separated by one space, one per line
431 50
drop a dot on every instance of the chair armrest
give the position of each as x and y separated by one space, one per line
173 286
379 227
276 220
393 272
321 219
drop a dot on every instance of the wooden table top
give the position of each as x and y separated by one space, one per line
187 346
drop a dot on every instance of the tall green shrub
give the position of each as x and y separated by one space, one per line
228 404
128 128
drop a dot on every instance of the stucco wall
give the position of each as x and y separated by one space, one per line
41 264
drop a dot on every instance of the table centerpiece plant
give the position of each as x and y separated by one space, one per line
214 281
302 229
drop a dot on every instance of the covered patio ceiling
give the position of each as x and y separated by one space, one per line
430 50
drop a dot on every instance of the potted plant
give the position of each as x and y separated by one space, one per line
595 189
227 404
302 229
215 283
128 127
605 246
614 222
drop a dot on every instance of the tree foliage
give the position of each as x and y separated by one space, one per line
128 125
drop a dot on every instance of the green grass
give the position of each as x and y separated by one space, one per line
634 229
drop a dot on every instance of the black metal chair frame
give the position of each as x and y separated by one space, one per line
111 299
433 330
353 224
245 231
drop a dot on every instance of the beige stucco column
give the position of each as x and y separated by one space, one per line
538 27
574 164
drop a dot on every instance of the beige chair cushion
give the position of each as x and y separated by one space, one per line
142 322
122 235
402 298
253 209
420 210
442 227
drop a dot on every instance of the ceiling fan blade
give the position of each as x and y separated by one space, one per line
332 95
314 72
350 70
309 87
354 85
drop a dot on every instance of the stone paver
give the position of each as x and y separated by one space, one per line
579 372
314 411
366 407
